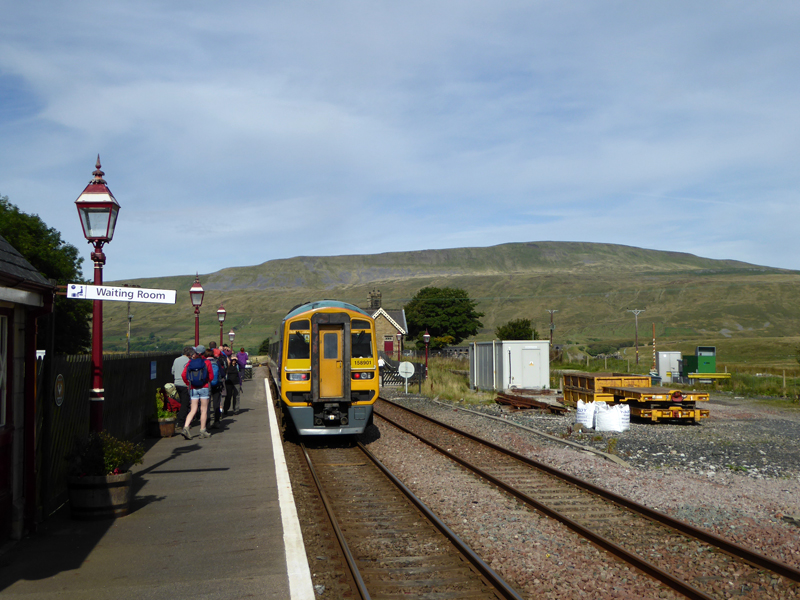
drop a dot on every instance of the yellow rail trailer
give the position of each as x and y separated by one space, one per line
645 401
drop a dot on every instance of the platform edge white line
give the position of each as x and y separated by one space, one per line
300 584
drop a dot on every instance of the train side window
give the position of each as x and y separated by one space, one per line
331 346
298 346
362 344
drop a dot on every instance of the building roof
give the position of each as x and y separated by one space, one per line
16 272
396 317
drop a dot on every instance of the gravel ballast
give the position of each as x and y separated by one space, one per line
736 474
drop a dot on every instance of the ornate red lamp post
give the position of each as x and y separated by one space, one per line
426 337
98 211
221 312
399 341
196 293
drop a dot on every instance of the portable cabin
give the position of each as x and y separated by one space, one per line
668 365
507 365
703 361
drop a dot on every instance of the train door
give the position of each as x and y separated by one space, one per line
331 361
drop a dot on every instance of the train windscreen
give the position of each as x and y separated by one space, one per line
361 340
299 346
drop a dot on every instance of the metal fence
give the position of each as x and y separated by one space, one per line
390 376
130 385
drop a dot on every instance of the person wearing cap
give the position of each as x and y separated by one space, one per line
180 384
198 374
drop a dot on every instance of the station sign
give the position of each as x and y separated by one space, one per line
80 291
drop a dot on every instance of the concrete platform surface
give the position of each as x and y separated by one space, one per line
206 522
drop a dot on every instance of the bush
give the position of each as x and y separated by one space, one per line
161 411
600 348
103 454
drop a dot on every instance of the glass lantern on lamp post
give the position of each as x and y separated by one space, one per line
98 210
231 335
221 312
196 293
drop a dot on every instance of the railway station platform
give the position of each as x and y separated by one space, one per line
211 518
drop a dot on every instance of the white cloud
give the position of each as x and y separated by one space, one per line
461 123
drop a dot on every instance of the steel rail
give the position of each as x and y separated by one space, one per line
348 556
630 558
729 547
485 570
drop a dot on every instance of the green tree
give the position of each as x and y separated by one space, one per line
517 329
264 347
447 314
43 247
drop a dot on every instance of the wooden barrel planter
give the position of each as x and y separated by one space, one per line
94 498
162 428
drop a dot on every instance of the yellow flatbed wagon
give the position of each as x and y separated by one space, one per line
645 401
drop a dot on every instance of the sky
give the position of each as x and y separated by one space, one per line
240 132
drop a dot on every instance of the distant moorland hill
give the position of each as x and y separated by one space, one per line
690 299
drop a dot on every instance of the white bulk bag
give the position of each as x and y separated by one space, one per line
585 413
607 418
625 416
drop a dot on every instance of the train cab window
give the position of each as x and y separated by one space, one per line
362 344
361 340
298 345
304 325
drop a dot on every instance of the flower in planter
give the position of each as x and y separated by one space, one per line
162 411
103 454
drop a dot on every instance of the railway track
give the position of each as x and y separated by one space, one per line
692 562
392 544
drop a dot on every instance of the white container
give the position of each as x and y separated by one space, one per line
509 365
668 365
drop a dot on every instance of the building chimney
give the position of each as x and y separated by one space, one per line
375 299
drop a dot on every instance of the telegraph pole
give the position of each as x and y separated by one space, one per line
130 318
552 327
636 312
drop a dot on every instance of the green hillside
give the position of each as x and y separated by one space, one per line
691 300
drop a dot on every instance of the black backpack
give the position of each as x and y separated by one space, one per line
197 373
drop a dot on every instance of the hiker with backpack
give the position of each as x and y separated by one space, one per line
198 374
219 365
180 385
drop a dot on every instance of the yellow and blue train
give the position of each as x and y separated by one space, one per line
327 369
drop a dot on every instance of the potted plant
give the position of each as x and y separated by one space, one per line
162 423
100 478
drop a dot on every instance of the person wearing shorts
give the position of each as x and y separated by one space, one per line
198 392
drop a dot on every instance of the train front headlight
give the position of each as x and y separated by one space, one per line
298 376
360 375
